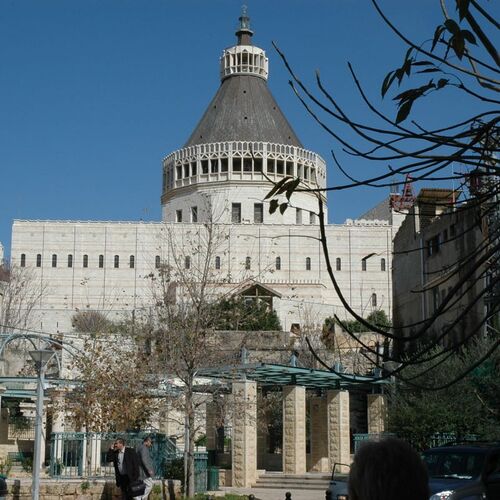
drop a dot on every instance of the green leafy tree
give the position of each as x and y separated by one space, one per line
239 313
470 406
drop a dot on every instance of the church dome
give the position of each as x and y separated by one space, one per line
241 145
243 108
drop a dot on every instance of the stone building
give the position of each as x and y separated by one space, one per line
221 177
437 247
222 174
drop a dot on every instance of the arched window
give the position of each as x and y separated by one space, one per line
131 262
187 262
54 260
38 260
157 262
70 260
374 300
116 262
23 260
382 264
86 261
101 261
248 263
217 262
308 263
363 265
338 264
278 263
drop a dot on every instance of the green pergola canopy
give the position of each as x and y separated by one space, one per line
281 375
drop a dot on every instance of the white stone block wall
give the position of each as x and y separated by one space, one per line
118 291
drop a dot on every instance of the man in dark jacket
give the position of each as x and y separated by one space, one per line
126 464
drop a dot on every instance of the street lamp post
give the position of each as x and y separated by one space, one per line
41 357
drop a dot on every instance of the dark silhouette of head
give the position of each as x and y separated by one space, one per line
388 470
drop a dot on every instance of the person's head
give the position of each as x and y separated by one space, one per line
148 441
119 444
388 470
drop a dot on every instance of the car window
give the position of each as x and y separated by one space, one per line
464 465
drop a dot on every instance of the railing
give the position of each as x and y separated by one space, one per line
437 439
83 454
21 428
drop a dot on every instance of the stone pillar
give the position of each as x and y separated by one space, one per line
338 428
319 435
57 397
244 442
262 440
377 413
294 429
95 453
211 425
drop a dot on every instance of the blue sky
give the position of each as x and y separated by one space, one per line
94 93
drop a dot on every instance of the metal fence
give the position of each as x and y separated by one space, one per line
83 454
437 439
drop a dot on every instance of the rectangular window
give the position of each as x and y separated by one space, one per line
258 213
193 168
39 260
204 166
236 164
70 260
54 260
186 170
194 214
85 261
214 166
363 265
223 165
178 216
101 261
236 213
23 260
298 216
179 172
312 218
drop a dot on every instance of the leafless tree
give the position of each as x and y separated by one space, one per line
20 292
460 56
182 341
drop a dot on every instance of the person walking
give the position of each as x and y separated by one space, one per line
146 466
126 463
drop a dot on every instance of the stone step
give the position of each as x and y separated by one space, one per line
290 481
294 477
288 486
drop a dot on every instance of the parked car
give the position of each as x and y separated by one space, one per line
456 472
337 489
464 472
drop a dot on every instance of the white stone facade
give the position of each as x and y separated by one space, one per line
242 145
87 265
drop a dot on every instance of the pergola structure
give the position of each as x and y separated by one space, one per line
329 414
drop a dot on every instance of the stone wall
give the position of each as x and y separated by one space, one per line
87 490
